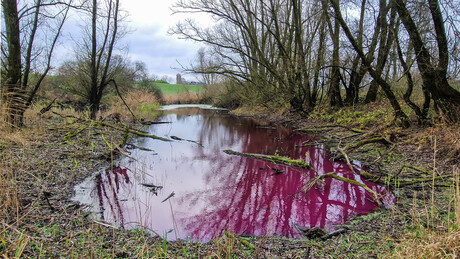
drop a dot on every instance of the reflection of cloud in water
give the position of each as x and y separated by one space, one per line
215 191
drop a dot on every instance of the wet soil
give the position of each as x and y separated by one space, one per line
49 224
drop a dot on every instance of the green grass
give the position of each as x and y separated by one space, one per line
175 89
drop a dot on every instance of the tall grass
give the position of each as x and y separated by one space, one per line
183 98
434 234
9 191
141 102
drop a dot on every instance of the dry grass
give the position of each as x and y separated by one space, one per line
141 102
448 141
9 193
434 235
430 244
183 98
19 138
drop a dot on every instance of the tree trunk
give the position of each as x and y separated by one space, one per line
93 96
336 99
399 114
386 41
12 94
352 91
434 77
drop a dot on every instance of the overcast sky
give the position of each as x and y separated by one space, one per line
148 41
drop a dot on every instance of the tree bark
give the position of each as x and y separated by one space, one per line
434 77
94 102
399 114
12 93
386 41
356 76
334 91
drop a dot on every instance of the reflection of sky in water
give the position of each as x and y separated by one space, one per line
214 191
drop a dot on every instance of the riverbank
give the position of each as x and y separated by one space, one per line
420 164
43 162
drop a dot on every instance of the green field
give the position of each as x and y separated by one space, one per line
175 89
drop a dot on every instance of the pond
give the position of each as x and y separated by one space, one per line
190 189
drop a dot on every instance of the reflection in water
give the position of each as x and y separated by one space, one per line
215 191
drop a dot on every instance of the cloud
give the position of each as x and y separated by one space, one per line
159 51
147 39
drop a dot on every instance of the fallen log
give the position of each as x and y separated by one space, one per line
273 159
317 232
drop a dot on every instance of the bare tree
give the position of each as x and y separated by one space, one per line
32 21
205 66
264 45
434 71
100 51
376 75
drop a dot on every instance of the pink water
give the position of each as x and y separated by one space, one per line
214 191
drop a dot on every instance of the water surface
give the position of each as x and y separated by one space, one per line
210 191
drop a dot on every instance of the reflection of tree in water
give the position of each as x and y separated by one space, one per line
251 200
244 195
108 187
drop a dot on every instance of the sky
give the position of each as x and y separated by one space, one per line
149 41
148 22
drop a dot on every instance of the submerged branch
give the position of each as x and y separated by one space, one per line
320 178
274 159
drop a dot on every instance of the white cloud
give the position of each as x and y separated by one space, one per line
149 42
148 22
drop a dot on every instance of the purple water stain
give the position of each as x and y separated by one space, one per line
213 191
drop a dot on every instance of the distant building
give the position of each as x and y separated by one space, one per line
178 79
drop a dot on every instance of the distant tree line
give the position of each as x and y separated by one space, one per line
304 52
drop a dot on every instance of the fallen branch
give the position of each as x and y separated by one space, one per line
346 158
423 180
244 242
371 177
416 168
105 224
48 107
273 159
318 127
377 197
188 140
334 233
154 122
170 196
395 181
105 124
363 142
